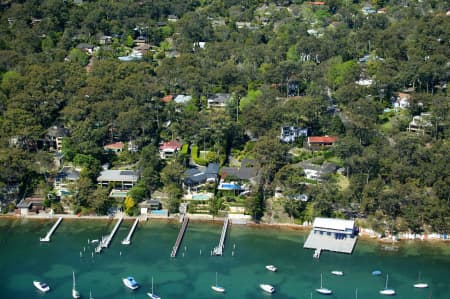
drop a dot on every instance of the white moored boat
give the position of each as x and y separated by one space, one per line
130 283
386 291
75 293
338 273
420 285
153 295
271 268
267 288
323 290
218 288
41 286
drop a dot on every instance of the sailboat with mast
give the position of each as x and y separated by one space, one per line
420 285
386 291
323 290
75 293
218 288
153 295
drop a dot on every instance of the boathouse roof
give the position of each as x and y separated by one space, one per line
334 224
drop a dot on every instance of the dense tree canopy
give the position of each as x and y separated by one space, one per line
284 63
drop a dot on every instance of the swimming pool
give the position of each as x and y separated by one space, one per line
229 186
200 197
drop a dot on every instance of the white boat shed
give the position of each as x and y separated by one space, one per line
338 235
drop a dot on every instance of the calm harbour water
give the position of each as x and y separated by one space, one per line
190 275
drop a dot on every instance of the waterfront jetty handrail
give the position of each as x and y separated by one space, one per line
51 231
180 237
218 250
127 240
105 241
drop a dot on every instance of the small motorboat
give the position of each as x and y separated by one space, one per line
271 268
376 272
94 241
41 286
337 273
130 283
267 288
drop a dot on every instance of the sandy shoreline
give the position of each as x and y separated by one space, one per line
210 219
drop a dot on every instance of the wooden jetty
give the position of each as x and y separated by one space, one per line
218 250
180 237
51 231
127 240
104 243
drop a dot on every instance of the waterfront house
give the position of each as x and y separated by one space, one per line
317 172
321 141
149 205
402 101
338 235
290 134
66 175
30 205
121 179
421 124
169 149
132 146
219 100
195 177
172 18
116 147
182 99
246 173
54 137
86 48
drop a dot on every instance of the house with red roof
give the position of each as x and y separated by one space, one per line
169 149
321 141
167 98
116 147
316 3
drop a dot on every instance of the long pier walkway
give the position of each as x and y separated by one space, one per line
127 240
218 250
51 231
104 243
180 237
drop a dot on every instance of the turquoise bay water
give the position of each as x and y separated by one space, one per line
190 275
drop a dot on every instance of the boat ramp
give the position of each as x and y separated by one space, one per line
104 243
127 240
180 237
51 231
218 250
